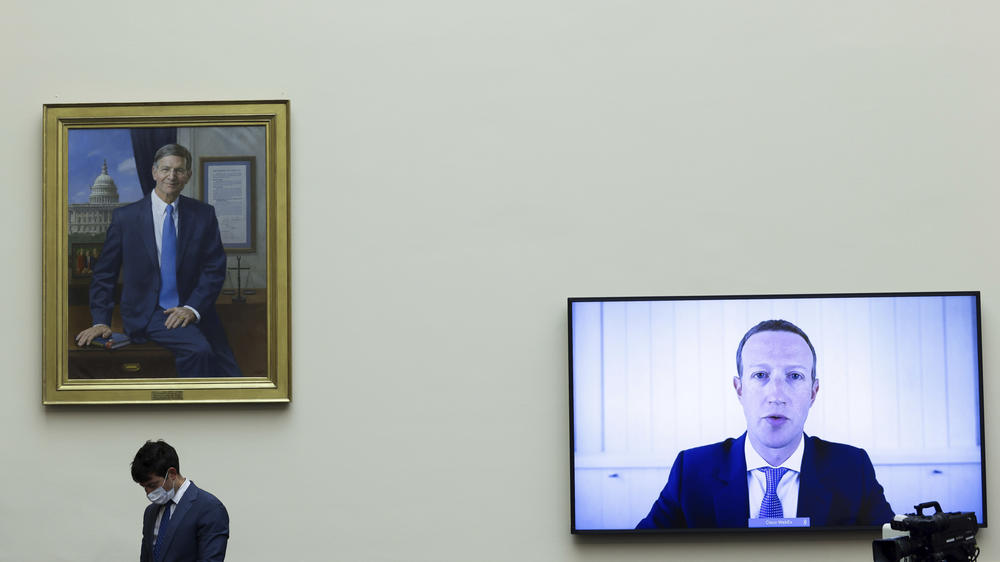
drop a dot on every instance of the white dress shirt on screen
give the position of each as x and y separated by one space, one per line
788 486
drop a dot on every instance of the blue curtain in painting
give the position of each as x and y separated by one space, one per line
145 143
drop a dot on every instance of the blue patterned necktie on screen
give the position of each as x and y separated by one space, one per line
168 262
164 520
771 506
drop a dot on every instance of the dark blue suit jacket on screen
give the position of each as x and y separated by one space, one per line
708 488
198 531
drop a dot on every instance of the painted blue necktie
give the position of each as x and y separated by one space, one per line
164 521
770 507
168 261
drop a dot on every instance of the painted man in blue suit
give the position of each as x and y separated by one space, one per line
773 471
184 523
169 252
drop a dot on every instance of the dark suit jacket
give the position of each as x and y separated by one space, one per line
130 247
708 488
198 530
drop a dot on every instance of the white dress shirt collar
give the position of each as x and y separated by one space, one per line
172 504
159 207
755 461
180 491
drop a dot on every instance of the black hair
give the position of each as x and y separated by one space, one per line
774 326
154 458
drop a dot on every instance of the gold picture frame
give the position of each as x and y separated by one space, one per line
252 310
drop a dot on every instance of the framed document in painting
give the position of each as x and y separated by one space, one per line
155 216
228 182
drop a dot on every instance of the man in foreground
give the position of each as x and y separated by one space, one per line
184 523
169 252
773 471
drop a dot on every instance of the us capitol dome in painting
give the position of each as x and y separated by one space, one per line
94 216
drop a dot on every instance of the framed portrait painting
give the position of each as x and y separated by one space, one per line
166 253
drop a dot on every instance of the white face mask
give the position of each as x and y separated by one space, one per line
160 496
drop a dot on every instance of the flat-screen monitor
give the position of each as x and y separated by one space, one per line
766 412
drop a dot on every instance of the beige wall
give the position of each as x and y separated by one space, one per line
458 170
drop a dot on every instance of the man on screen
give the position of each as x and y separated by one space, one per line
168 250
773 471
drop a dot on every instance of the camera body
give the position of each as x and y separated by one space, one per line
936 537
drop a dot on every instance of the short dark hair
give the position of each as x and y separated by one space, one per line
774 326
154 458
173 150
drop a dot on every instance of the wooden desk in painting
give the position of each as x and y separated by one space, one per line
245 324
